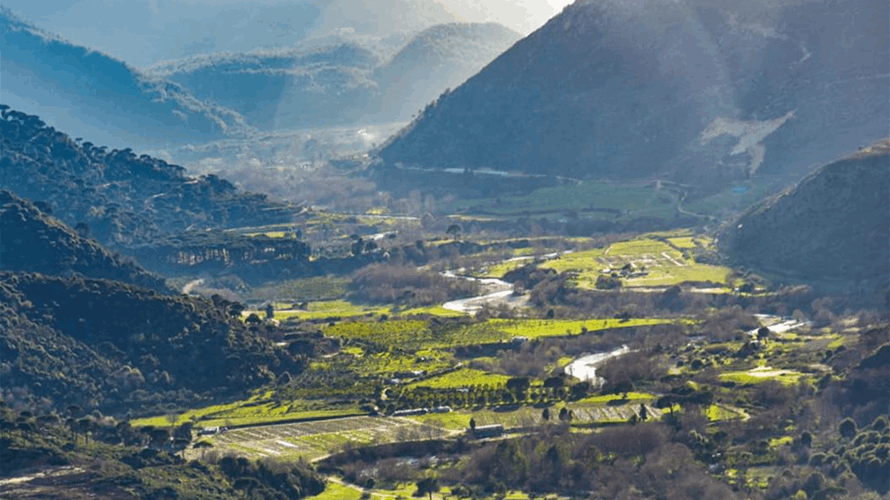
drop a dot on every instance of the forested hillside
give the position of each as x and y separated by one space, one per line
833 226
121 198
36 242
107 345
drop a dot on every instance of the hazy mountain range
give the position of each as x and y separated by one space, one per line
343 82
330 81
697 91
99 96
145 32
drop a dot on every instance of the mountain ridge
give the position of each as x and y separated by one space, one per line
699 91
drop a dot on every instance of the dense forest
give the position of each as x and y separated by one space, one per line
107 345
34 241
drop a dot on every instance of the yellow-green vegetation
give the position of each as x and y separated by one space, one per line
609 398
720 412
330 309
452 421
781 441
534 328
464 377
417 334
335 490
257 409
304 289
761 374
653 263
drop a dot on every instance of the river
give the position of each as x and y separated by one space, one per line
584 368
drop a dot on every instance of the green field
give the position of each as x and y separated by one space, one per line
654 263
417 334
464 377
593 199
259 408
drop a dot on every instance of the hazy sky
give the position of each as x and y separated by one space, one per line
142 32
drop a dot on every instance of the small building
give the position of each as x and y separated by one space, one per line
487 431
441 409
208 431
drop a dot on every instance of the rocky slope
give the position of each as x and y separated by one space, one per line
699 91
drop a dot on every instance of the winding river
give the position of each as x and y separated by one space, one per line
584 368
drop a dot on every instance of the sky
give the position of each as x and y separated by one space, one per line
144 32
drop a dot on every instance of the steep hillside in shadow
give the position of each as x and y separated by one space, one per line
833 227
106 345
36 242
699 91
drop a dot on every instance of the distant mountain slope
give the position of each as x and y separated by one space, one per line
833 226
124 199
341 82
704 91
102 344
100 96
144 32
298 87
33 241
436 59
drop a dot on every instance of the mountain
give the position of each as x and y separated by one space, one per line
103 344
342 80
283 88
698 91
98 95
34 241
834 226
145 32
438 58
123 199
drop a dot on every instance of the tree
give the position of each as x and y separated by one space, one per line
454 231
270 311
644 413
427 486
473 424
848 428
763 333
545 414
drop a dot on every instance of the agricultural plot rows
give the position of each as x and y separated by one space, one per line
312 440
606 414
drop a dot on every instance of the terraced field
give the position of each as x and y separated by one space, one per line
313 440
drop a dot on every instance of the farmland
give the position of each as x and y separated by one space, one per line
313 440
645 262
442 372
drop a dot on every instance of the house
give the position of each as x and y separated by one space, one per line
487 431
